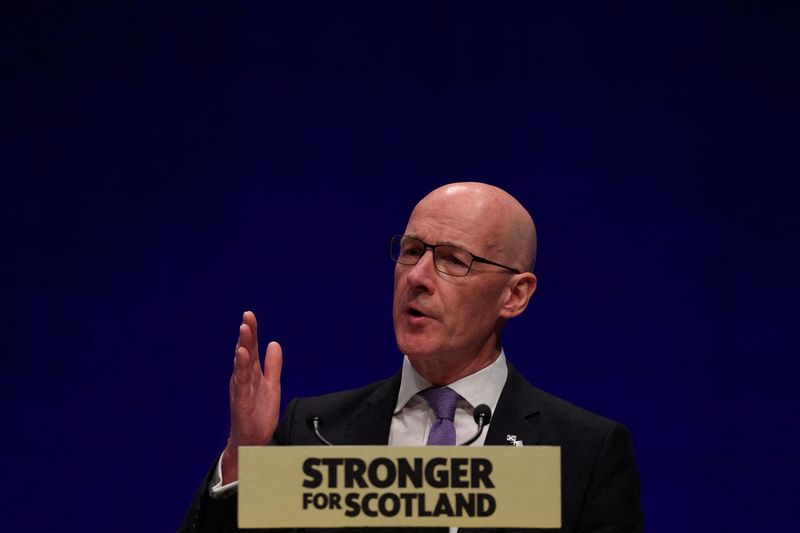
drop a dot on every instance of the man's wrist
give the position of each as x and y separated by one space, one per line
230 463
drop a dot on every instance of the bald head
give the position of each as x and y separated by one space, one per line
450 326
503 226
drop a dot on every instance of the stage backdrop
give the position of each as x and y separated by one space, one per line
166 167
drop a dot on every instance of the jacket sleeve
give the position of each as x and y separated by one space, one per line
612 500
210 515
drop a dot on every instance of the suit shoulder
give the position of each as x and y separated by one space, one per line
341 402
571 413
558 411
337 412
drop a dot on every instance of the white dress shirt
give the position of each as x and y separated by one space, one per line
413 418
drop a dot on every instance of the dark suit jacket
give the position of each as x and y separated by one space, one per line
600 484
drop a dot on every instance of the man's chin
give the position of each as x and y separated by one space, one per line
418 346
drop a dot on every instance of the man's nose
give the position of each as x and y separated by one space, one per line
423 273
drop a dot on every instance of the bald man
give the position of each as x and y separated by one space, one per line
450 307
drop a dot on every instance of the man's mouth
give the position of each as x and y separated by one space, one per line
414 312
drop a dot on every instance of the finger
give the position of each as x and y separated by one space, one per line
246 341
249 319
239 340
273 363
242 368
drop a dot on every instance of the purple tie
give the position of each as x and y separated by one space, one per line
443 402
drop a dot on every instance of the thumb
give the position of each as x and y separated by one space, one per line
273 363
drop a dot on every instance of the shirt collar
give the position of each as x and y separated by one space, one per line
482 387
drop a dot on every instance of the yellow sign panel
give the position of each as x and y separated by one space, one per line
383 486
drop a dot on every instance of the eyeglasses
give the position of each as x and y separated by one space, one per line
447 259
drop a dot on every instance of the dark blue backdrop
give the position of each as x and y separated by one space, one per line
167 166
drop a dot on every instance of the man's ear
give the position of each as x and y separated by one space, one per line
518 293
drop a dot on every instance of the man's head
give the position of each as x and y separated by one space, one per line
450 326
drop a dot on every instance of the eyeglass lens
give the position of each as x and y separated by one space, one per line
447 259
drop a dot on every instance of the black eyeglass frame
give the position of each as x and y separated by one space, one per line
433 250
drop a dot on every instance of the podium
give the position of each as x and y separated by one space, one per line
383 486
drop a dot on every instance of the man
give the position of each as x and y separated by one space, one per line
449 310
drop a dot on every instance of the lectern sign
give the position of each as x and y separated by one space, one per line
341 486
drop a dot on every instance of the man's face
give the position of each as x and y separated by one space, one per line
442 317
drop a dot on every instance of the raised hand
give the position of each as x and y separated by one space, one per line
255 395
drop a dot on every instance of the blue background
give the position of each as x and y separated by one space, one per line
166 167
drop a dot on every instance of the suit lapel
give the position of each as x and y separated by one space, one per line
373 419
514 414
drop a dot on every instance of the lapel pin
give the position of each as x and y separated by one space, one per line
512 439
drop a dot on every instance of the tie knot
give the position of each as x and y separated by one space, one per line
442 401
